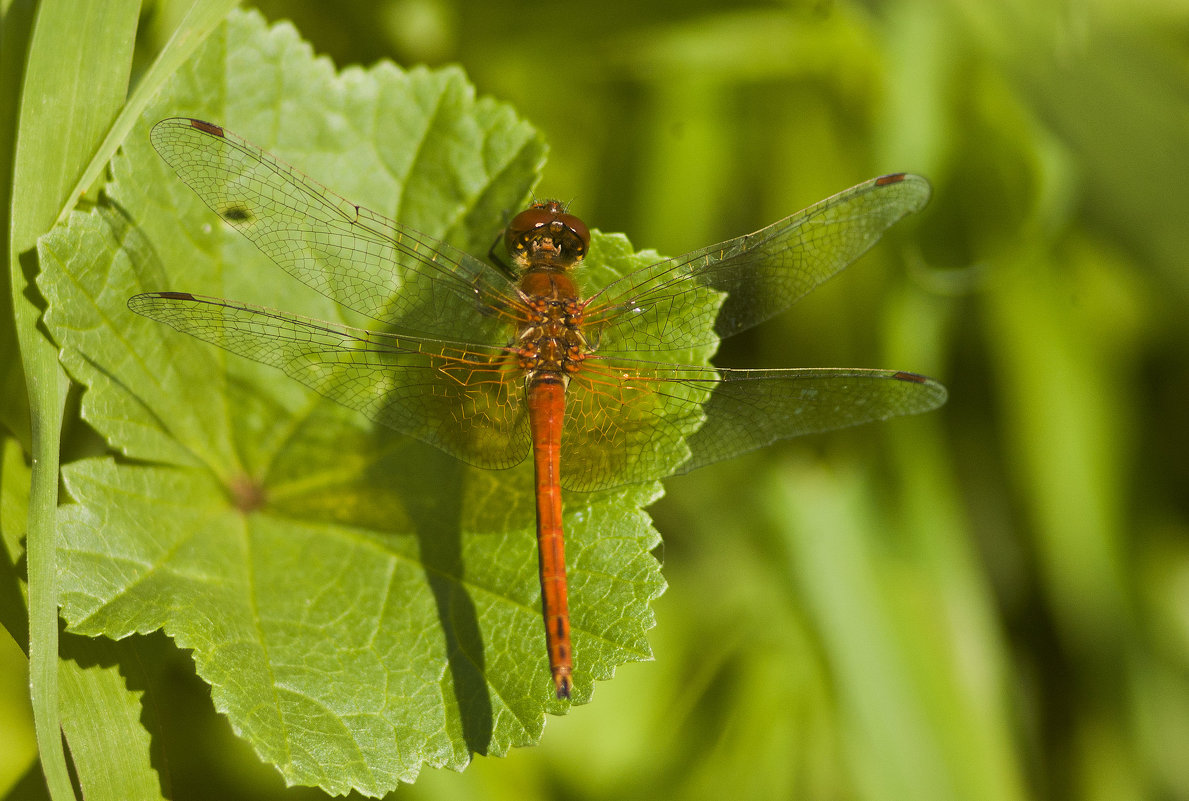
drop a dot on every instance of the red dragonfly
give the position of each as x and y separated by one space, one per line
491 363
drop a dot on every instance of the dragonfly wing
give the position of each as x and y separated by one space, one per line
463 399
728 287
628 422
354 256
642 421
753 408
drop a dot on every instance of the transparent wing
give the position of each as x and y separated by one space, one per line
672 305
354 256
465 399
630 421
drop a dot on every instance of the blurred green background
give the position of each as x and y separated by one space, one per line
988 602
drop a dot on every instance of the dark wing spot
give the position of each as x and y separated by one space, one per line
236 214
175 295
911 377
894 178
206 127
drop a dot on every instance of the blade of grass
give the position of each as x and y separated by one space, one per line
76 77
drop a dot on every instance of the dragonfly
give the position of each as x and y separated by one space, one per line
494 362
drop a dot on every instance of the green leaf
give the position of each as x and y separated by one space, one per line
360 604
108 720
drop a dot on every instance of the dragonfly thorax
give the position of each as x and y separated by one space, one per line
550 340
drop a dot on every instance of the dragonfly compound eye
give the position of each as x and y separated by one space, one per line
545 234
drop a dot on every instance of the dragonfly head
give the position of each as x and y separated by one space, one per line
545 237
